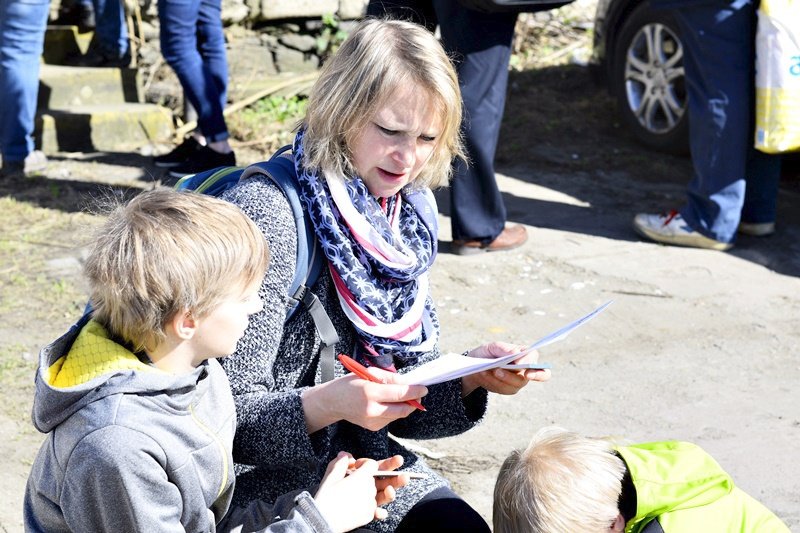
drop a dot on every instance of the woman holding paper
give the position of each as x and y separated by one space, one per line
381 129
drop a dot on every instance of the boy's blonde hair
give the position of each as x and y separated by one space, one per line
561 483
168 252
377 58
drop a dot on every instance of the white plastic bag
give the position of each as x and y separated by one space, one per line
778 76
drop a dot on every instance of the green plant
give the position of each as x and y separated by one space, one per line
279 108
55 190
269 121
331 36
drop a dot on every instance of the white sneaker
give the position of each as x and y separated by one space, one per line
670 228
35 162
757 229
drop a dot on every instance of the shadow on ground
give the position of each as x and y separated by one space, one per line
68 196
77 182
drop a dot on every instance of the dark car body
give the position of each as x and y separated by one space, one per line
638 54
514 6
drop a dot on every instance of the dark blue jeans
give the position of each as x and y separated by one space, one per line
732 181
22 25
193 44
111 31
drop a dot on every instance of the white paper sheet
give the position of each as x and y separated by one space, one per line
452 366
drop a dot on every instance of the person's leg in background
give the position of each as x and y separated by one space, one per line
193 44
22 27
760 210
718 59
719 68
111 32
76 12
211 44
481 44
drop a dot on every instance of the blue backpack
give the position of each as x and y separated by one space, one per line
310 259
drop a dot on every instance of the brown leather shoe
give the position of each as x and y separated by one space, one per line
511 237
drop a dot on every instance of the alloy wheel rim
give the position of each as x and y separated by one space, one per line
654 78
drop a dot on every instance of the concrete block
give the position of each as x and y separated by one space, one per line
288 60
280 9
107 128
61 87
234 12
249 65
296 41
64 42
352 9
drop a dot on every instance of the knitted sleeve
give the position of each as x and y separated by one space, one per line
271 428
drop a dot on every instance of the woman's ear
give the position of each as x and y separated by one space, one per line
184 325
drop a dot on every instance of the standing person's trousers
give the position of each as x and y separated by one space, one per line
732 181
110 27
481 44
22 26
193 44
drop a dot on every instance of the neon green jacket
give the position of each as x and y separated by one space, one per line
686 490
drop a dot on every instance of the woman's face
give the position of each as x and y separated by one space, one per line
397 142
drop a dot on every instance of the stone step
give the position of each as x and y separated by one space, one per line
62 43
113 128
61 87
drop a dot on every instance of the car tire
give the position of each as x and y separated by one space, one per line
648 82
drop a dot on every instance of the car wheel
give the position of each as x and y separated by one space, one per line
647 79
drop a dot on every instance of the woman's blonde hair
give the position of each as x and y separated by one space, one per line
167 252
561 483
377 58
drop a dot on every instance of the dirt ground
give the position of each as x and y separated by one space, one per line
698 345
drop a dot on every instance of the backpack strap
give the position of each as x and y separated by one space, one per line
310 259
212 182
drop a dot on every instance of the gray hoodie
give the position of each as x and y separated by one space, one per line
132 448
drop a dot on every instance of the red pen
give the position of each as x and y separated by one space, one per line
360 370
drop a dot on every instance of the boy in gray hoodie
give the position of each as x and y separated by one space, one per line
139 414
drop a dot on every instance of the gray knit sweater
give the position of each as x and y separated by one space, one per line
274 362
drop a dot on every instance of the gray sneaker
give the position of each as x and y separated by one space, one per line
35 162
670 228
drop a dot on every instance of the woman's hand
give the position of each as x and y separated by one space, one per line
497 379
346 498
359 401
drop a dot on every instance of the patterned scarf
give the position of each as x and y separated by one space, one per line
379 252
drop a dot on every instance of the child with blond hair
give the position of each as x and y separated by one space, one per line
139 414
567 483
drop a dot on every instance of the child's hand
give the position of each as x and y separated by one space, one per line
387 486
346 498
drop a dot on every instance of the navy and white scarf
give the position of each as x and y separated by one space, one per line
379 252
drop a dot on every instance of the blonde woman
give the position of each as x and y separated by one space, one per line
382 128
